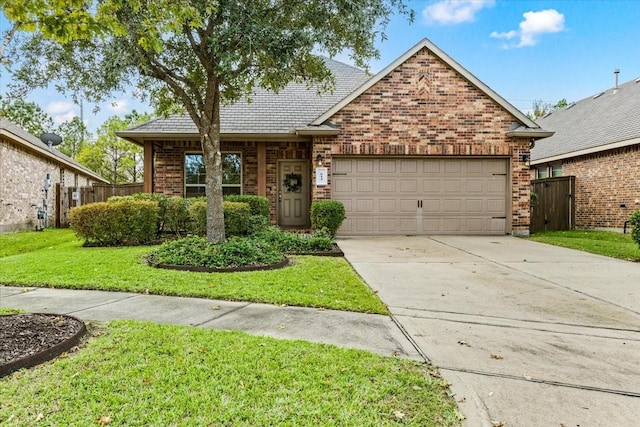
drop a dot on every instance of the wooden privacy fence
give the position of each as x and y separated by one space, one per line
553 204
69 197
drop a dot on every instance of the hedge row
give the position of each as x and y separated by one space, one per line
141 218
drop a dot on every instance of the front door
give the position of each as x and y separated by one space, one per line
293 193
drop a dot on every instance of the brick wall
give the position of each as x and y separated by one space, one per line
424 108
22 176
604 182
169 165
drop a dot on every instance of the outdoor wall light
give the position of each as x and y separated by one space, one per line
319 159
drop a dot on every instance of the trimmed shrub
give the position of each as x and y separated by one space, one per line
259 205
236 218
198 218
235 252
176 218
117 223
159 198
295 243
634 220
327 214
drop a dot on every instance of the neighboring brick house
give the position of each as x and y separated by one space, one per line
597 140
25 163
423 147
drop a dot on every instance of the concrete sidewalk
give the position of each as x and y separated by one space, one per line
372 332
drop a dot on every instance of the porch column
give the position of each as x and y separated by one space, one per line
147 186
262 169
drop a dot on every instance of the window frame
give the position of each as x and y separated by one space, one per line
203 185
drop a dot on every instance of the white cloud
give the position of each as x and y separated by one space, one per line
534 25
119 106
61 111
454 11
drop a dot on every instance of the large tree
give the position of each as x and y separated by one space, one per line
74 136
112 157
196 54
28 115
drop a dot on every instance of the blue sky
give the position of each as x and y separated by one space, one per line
524 50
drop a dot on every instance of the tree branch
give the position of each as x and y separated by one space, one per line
7 39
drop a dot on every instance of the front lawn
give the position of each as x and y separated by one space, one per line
605 243
63 263
144 374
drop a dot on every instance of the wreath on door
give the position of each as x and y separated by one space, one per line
292 182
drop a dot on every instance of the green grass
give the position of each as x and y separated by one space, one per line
144 374
28 241
605 243
309 282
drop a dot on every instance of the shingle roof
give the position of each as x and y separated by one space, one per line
293 107
606 118
20 135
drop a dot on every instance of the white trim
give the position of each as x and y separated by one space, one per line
586 151
426 43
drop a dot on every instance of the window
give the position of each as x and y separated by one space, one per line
195 174
542 172
556 170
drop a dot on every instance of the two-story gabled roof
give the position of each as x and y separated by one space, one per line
603 121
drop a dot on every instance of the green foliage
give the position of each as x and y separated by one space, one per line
74 137
112 157
27 115
145 374
235 252
176 218
616 245
327 214
124 222
634 220
295 243
259 205
309 281
257 224
198 218
188 53
236 218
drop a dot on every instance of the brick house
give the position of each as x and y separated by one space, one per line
25 164
597 140
423 147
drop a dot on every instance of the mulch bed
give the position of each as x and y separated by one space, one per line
27 340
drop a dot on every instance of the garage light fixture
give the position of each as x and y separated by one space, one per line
319 159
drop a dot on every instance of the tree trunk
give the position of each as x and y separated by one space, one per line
210 140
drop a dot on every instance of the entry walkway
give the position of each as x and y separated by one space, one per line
373 332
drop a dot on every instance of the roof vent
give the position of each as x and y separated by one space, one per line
637 80
616 72
598 95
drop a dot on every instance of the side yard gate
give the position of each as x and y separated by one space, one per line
69 197
553 204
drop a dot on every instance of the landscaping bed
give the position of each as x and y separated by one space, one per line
27 340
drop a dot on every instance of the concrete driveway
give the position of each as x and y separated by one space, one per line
527 334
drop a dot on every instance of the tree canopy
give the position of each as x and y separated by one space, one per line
112 157
194 55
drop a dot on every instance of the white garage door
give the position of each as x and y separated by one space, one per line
421 195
